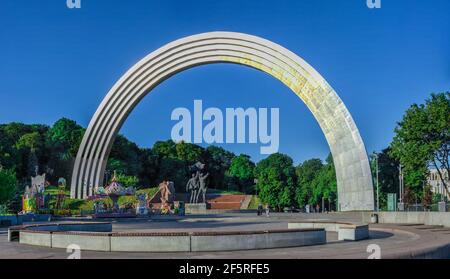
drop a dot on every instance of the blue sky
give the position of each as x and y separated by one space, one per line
56 62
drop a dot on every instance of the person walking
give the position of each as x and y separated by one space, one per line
260 209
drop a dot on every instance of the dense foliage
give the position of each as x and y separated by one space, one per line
422 140
276 180
8 185
240 174
31 149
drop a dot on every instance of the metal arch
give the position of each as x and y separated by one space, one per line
354 180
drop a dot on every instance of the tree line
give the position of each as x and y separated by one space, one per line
421 142
27 150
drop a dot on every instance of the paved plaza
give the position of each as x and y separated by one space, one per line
395 241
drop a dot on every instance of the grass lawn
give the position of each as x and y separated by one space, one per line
223 192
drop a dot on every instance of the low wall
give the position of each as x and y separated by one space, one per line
174 241
8 221
20 219
134 242
15 232
37 238
412 217
257 240
86 241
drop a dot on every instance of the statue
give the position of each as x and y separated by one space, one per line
141 207
167 190
203 187
193 186
197 183
38 184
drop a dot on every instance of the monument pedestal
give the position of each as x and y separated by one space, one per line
195 208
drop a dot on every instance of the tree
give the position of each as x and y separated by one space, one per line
125 154
325 184
422 139
241 172
149 168
306 173
276 180
218 161
427 197
8 184
65 137
188 152
127 180
388 174
174 170
31 143
165 149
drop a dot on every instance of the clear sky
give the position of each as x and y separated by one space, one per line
56 62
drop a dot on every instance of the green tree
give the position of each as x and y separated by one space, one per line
218 161
276 180
65 137
325 185
127 180
31 143
125 154
422 139
149 168
188 152
306 173
8 184
388 174
165 149
241 173
174 170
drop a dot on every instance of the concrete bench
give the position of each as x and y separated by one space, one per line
346 231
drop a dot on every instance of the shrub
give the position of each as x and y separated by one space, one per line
150 191
127 201
4 209
72 203
8 184
62 212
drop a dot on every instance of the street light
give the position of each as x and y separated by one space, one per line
401 186
378 185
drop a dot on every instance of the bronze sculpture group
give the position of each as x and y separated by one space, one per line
197 184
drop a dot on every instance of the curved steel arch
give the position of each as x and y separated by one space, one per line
354 180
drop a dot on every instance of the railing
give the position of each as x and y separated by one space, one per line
420 207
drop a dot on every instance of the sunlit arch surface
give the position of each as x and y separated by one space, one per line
354 181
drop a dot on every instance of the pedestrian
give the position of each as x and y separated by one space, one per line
267 210
260 209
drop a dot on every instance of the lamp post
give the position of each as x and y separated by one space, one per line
401 187
378 185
